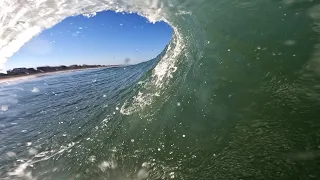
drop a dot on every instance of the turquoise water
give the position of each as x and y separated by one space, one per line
235 95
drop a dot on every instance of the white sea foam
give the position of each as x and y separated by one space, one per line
21 172
161 76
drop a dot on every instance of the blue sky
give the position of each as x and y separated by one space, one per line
107 38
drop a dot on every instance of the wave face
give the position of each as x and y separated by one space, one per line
235 94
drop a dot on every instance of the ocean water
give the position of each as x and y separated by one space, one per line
234 95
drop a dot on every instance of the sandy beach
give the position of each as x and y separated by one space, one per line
32 76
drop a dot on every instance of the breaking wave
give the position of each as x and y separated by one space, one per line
234 95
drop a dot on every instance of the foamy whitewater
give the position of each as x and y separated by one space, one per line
234 95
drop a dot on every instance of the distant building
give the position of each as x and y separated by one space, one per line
31 71
3 75
73 66
17 71
45 69
22 71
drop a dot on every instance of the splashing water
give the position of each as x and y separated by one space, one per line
234 95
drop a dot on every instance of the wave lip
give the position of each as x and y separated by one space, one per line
20 21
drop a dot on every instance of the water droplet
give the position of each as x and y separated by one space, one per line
289 42
35 90
171 174
32 151
92 158
11 154
4 108
142 174
145 165
113 164
104 166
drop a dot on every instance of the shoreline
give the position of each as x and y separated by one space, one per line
32 76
